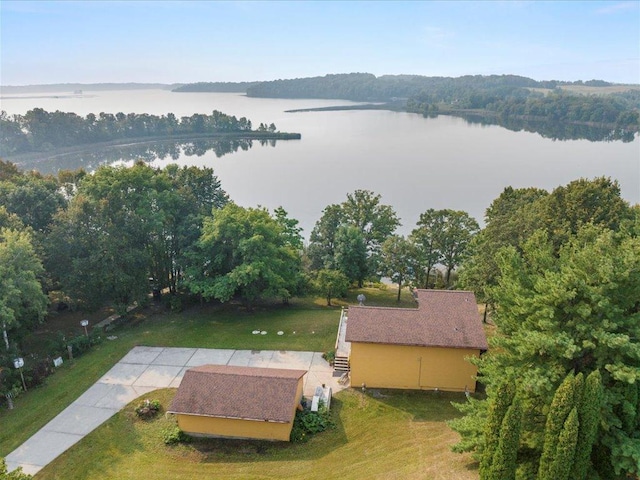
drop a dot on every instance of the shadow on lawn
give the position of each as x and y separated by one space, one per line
422 405
212 450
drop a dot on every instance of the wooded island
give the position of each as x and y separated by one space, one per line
42 131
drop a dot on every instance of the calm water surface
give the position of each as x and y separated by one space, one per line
413 162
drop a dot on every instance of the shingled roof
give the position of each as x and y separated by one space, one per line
248 393
444 318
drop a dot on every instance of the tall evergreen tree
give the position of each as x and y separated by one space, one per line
629 408
589 417
497 410
574 309
565 448
563 402
504 463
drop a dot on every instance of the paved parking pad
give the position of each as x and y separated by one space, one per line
206 356
158 376
174 356
143 370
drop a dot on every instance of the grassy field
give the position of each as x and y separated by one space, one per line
368 427
380 435
229 326
590 90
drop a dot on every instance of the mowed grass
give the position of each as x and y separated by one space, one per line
387 434
379 435
221 326
206 327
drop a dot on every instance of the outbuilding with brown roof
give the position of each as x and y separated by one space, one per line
423 348
238 402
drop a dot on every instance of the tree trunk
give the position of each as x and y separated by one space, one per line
328 300
484 317
399 290
4 334
426 282
448 274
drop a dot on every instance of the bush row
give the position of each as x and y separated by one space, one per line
38 367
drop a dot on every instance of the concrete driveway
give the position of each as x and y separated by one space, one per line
140 371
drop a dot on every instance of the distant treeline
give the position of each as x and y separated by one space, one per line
614 110
239 87
498 96
85 87
42 131
365 87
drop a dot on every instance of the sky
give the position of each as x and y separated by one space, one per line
44 42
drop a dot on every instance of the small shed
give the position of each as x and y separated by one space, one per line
417 348
238 402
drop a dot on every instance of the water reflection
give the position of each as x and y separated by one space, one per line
554 130
148 152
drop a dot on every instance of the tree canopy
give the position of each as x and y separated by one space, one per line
245 253
574 309
125 226
22 301
348 236
40 131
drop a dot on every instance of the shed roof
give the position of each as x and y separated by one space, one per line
444 318
248 393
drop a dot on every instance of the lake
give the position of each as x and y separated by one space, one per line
415 163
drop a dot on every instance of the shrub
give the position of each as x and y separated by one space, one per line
79 345
307 423
172 435
83 343
56 346
148 409
174 302
329 356
38 370
16 474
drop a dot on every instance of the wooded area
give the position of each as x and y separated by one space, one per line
558 271
506 100
42 131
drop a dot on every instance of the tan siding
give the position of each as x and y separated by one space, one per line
234 428
411 367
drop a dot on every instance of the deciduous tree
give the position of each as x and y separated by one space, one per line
376 222
456 230
331 283
22 301
351 254
424 237
396 260
244 252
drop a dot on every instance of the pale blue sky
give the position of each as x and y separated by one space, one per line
179 42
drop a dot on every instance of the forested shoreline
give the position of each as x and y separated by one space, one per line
500 99
41 131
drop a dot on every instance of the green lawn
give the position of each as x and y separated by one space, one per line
409 424
230 326
388 435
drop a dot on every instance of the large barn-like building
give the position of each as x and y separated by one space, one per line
423 348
